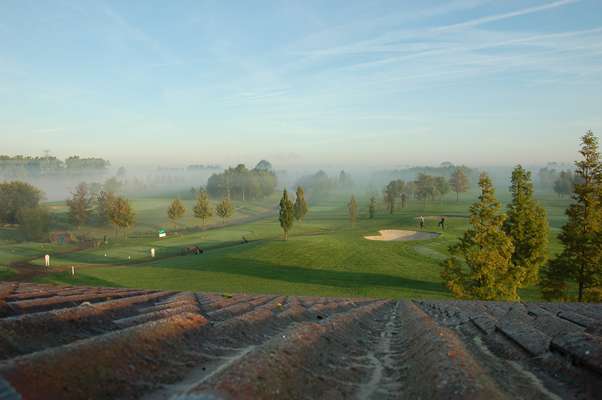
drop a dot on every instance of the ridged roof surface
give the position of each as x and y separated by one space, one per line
105 343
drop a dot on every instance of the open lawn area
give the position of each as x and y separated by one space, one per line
323 256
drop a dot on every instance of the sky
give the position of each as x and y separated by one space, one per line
364 83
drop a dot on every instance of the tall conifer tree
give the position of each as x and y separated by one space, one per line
485 250
286 214
527 227
581 235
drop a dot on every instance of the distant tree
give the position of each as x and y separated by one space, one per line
300 206
286 214
94 190
547 176
480 263
112 185
527 227
264 166
442 186
352 208
565 183
33 223
318 184
15 196
345 181
240 182
581 235
392 192
80 205
372 207
224 209
121 173
104 204
459 182
202 209
175 211
122 215
425 187
193 192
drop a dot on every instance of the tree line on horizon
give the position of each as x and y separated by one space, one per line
424 187
243 183
31 167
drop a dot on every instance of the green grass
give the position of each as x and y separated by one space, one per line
323 256
6 272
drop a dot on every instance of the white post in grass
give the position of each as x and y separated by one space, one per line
72 271
47 260
153 252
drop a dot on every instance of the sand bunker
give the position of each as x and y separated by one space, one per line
388 235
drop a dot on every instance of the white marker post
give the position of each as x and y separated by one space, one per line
72 271
153 252
47 260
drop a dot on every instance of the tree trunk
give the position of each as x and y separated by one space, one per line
580 295
285 235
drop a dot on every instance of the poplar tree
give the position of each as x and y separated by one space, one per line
458 182
286 214
224 209
372 207
300 207
352 207
480 265
202 209
581 235
527 227
80 205
175 211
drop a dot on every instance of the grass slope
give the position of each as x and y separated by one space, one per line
324 256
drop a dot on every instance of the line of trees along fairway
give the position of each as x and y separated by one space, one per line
175 211
459 182
202 208
224 209
242 183
581 235
286 214
424 187
122 215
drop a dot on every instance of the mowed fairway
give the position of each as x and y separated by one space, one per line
323 256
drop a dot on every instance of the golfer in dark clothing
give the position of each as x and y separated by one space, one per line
442 223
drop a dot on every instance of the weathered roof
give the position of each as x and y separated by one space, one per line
82 342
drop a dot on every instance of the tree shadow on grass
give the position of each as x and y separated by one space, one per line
303 275
65 278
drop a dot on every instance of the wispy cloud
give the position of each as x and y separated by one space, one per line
503 16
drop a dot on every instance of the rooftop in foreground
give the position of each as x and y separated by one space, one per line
82 342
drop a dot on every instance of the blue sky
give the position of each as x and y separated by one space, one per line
378 83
